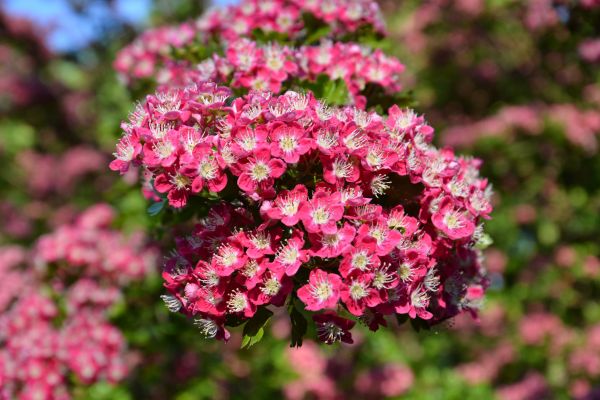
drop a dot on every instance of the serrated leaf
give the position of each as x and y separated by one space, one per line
156 208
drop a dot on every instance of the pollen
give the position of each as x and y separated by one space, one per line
260 171
288 143
321 291
237 302
357 290
208 169
320 215
360 260
271 286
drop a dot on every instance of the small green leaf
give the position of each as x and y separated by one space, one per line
318 34
253 330
249 341
156 208
336 92
484 242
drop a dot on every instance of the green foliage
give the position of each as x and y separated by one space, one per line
254 329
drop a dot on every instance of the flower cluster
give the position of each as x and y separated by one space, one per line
284 16
308 208
242 62
59 326
246 64
142 58
153 47
88 248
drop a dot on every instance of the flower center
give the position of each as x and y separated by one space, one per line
378 234
330 332
289 206
208 327
180 181
452 220
164 149
288 143
271 286
237 302
260 171
331 240
320 216
250 269
360 261
275 63
341 168
208 169
289 255
322 291
357 291
405 272
261 241
227 256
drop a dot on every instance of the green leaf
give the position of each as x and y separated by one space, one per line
249 341
318 34
156 208
336 92
299 326
253 330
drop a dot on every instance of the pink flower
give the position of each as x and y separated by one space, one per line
259 172
322 290
259 243
176 185
128 149
238 303
203 167
288 142
286 205
454 223
274 288
358 294
378 236
228 258
359 259
412 301
332 329
290 255
162 151
321 213
330 245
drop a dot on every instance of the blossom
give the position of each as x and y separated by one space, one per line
259 172
321 213
203 166
322 290
360 202
452 222
331 328
286 205
358 293
288 142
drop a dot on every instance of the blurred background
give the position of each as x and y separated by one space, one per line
515 83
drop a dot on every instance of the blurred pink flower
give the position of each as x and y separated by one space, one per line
532 387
